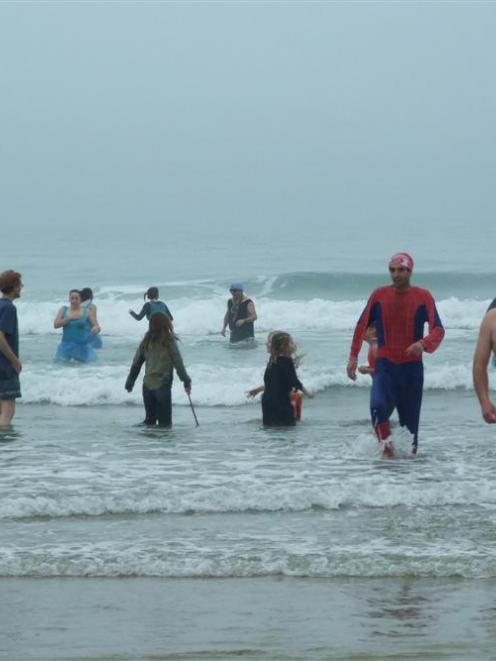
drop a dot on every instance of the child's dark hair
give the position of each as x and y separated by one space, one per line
86 294
151 292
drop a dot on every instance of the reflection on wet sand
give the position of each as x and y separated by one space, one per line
404 606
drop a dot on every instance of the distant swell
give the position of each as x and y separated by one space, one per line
298 301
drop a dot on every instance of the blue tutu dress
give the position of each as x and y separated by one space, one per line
74 344
94 340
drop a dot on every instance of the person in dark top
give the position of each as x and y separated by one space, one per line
280 380
240 315
151 306
10 365
93 329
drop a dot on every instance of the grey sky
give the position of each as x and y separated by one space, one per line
249 112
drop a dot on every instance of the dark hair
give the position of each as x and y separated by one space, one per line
74 291
151 292
86 294
9 281
160 332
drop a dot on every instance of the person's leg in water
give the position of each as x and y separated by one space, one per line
164 406
410 399
7 411
382 403
150 404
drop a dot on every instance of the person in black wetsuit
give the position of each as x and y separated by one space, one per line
151 306
280 380
240 315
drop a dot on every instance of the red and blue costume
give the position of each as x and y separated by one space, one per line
399 317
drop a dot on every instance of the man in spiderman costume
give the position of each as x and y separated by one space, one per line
399 313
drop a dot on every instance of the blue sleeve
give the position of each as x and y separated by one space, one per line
140 316
168 312
7 319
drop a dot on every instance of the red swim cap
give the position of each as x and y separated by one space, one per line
402 259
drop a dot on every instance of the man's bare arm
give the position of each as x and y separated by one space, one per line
252 314
483 349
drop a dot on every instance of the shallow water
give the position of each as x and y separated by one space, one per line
229 539
295 146
91 493
260 618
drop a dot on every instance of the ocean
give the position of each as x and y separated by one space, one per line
294 146
230 540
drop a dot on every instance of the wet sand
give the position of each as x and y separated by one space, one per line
269 618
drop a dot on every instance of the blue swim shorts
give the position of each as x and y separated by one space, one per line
10 388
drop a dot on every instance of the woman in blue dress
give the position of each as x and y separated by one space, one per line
73 320
93 329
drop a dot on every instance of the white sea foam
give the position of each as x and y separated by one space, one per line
212 385
200 316
167 560
241 494
321 327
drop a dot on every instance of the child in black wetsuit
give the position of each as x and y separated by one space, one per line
279 381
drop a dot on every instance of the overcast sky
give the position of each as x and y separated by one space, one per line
234 113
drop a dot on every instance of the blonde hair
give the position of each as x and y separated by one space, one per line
280 342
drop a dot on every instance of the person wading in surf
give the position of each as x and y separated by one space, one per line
10 365
399 313
240 315
280 381
486 344
160 354
152 306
